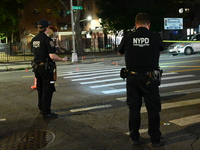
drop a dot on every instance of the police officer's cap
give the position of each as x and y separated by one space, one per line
43 24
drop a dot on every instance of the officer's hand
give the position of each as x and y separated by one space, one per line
64 58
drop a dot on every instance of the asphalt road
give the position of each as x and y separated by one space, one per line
90 101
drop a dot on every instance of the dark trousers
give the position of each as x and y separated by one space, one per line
45 88
136 90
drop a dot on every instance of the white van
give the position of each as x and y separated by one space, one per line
188 45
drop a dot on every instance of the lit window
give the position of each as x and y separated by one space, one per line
48 11
187 10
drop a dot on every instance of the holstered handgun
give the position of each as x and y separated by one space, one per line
160 72
155 75
123 73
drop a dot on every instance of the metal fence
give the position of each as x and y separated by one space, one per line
13 52
16 52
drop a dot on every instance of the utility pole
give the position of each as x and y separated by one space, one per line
74 54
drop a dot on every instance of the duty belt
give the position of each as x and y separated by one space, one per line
132 72
41 64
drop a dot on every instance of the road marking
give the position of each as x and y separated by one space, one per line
141 131
116 79
183 66
180 83
162 85
178 62
186 120
176 77
91 108
180 92
181 121
92 74
123 99
176 104
123 83
97 77
28 76
99 81
2 119
87 72
114 91
143 109
106 85
186 70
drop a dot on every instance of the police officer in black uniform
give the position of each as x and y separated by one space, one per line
142 50
43 49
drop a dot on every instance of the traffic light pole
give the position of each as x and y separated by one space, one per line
74 54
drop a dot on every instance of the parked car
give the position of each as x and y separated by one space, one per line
188 45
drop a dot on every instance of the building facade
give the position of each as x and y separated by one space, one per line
59 15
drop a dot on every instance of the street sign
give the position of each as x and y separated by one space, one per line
68 12
77 7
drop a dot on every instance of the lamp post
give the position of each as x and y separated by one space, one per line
74 54
89 18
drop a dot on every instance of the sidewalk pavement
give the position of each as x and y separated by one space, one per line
23 65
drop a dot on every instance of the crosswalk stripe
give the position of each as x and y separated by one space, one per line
90 108
186 120
2 119
93 68
123 99
92 74
123 83
177 77
109 75
97 73
162 85
106 85
169 73
100 81
97 77
176 104
181 122
114 91
180 92
180 83
87 72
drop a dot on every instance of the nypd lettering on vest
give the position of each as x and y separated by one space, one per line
141 42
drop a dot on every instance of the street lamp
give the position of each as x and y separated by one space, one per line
89 18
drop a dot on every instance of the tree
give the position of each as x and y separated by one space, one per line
2 37
119 15
9 17
78 29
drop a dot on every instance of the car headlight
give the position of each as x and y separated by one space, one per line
180 45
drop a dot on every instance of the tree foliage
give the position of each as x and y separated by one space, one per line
9 16
120 14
